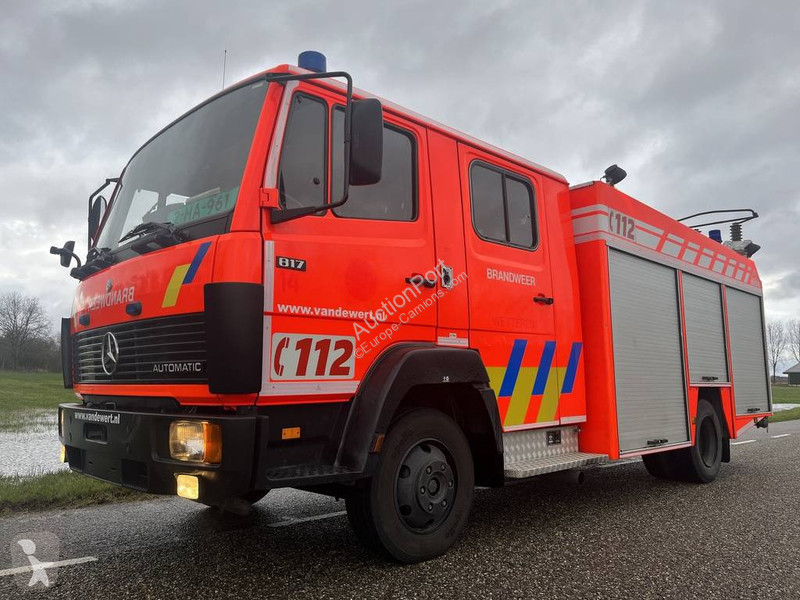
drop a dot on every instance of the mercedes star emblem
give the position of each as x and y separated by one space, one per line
110 353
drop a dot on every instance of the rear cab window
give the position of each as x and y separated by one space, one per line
503 209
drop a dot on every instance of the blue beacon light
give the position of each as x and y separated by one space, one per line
312 60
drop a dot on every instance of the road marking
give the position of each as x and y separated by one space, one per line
293 521
742 442
775 437
48 565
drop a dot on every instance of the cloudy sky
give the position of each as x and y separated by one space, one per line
697 100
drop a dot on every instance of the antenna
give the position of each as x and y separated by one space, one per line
224 64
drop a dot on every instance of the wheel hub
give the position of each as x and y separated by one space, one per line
426 487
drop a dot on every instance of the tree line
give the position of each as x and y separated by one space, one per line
783 343
27 339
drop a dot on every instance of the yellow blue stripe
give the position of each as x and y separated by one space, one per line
512 369
540 384
182 275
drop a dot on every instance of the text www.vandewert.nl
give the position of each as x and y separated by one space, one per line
367 324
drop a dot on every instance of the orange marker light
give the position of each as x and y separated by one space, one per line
290 433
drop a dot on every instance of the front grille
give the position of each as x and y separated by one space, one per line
168 349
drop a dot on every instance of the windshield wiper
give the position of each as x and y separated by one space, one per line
166 229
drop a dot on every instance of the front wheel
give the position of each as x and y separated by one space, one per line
419 499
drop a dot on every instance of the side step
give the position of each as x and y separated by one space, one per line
532 452
551 464
309 475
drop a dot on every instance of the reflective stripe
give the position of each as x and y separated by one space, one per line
174 286
544 368
512 371
572 368
198 258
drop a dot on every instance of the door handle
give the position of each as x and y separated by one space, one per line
542 299
419 279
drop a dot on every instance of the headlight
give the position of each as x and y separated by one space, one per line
196 441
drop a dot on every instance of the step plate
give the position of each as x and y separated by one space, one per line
551 464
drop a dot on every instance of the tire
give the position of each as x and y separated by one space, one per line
701 462
418 501
657 465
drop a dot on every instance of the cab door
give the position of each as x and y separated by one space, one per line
336 281
510 286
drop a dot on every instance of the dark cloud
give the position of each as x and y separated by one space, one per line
697 100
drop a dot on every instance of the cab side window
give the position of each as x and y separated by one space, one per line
393 198
301 176
502 206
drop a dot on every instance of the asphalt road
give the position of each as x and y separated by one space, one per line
622 534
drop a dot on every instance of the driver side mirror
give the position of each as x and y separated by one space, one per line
366 145
96 212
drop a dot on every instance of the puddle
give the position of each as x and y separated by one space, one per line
29 443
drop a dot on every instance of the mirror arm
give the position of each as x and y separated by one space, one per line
287 214
91 199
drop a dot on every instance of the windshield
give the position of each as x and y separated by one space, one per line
191 171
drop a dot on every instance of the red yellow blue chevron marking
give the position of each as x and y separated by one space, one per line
531 394
183 275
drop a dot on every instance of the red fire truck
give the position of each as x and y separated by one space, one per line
296 284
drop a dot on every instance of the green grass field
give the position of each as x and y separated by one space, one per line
22 391
63 489
783 394
28 401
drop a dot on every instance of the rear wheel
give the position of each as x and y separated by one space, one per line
657 464
701 462
418 501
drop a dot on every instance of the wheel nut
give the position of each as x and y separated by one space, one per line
450 483
443 467
422 491
428 470
444 503
430 507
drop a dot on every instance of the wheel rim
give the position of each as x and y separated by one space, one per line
708 443
426 486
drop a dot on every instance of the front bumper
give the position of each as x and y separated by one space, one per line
132 449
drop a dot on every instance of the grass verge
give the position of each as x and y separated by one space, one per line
784 394
23 391
785 415
62 489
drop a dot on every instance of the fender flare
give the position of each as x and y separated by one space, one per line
389 379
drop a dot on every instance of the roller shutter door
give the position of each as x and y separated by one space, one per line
705 330
648 363
750 379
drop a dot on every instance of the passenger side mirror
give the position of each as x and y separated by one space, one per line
95 214
66 254
366 146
